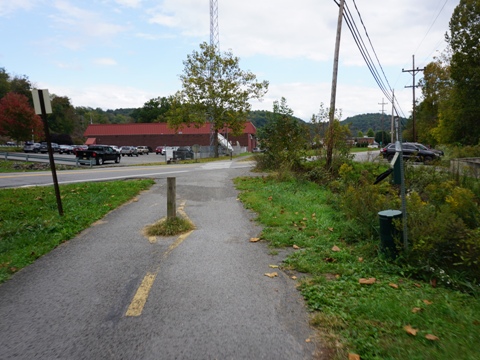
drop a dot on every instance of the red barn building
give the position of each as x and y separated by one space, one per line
159 134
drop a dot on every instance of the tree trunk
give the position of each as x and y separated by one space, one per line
215 143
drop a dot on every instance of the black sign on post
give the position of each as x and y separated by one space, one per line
41 102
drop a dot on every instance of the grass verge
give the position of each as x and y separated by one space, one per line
169 227
393 317
30 225
7 166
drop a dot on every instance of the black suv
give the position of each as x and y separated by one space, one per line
411 151
183 153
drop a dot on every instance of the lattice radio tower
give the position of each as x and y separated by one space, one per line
214 36
215 42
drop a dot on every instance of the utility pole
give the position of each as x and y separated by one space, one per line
392 129
414 72
383 103
334 86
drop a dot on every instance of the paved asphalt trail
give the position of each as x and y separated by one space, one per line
209 299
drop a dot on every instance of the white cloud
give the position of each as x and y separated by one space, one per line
305 99
287 43
8 7
104 96
129 3
79 27
105 61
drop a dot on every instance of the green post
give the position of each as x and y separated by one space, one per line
397 174
388 232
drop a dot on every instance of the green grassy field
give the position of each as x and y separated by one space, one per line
390 316
30 225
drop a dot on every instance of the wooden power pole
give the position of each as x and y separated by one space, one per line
383 103
334 86
414 72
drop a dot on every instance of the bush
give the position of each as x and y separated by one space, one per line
443 218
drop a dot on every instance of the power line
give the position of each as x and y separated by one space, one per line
387 91
433 23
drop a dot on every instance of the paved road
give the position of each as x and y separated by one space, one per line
105 173
206 295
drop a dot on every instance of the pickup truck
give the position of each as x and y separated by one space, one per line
99 153
143 150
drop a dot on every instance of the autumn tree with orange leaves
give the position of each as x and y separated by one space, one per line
18 120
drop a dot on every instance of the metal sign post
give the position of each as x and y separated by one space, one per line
41 102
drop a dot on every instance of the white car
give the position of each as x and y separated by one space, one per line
143 150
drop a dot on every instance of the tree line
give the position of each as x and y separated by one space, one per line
449 111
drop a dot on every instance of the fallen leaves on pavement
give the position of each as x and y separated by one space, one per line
271 275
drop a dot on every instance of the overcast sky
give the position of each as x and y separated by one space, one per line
121 53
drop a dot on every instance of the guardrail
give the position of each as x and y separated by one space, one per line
36 157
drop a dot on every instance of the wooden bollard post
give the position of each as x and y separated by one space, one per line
171 198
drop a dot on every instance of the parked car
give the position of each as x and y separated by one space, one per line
129 151
143 150
160 150
44 147
411 151
65 149
438 152
79 148
31 147
183 153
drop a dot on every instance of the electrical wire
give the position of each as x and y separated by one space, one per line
387 90
433 23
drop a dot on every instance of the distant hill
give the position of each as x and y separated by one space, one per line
364 122
260 117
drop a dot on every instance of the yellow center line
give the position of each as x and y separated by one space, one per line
141 296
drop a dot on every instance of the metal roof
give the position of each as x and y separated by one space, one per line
151 129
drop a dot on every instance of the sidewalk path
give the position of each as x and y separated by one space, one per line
207 298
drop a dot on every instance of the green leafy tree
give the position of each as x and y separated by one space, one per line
63 117
153 110
370 133
360 134
382 137
215 90
17 84
18 120
4 82
461 120
284 139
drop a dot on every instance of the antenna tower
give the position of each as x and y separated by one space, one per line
214 36
215 42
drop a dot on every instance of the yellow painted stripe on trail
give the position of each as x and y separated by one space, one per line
140 298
